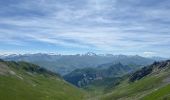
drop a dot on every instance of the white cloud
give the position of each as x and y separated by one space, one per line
99 24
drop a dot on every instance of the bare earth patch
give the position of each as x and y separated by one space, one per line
4 70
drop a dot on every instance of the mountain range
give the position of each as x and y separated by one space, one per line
64 64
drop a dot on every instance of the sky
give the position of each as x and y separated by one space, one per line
131 27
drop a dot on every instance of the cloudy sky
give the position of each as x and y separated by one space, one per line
77 26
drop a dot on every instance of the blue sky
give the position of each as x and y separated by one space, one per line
77 26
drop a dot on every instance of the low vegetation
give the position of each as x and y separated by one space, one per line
25 81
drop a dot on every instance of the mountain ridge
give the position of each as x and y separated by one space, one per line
64 64
84 77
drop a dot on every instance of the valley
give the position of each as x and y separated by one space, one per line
116 81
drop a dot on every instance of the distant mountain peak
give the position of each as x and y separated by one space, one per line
90 54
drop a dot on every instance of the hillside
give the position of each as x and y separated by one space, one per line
25 81
150 83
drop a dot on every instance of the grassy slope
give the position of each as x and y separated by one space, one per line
160 94
138 89
97 88
34 86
